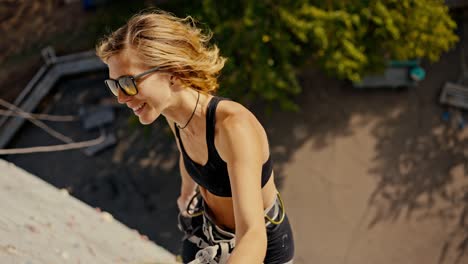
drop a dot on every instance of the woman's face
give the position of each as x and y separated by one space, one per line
153 89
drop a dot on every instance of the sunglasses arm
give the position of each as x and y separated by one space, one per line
146 72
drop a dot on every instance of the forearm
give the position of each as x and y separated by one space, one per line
250 248
188 186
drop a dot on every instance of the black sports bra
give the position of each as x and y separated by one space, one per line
214 176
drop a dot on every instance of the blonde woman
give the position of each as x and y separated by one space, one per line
229 206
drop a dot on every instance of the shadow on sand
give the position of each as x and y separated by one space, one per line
420 162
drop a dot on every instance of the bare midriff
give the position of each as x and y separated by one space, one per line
221 208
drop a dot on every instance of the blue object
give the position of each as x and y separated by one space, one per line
92 4
399 73
417 73
446 116
88 4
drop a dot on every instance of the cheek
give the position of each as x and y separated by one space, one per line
154 94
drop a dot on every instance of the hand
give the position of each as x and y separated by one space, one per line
182 203
206 255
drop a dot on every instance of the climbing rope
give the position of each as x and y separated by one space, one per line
35 119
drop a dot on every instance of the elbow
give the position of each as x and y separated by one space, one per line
258 235
261 236
250 248
261 241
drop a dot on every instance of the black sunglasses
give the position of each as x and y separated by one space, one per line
127 83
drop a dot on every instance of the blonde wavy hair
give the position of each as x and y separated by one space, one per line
161 39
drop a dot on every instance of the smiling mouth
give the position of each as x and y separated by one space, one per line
138 109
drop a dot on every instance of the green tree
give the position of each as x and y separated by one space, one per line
267 41
352 38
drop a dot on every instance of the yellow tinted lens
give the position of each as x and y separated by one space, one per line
128 85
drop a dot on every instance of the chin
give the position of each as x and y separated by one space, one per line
147 119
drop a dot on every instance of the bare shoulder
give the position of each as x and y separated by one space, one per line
237 127
230 113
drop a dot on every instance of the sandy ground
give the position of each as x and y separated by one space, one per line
374 176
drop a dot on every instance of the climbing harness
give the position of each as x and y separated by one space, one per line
217 243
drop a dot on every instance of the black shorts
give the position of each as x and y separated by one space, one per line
280 245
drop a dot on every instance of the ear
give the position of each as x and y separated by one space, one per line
174 82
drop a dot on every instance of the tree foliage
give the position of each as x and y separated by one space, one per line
352 38
267 41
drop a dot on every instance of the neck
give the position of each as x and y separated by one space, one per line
182 107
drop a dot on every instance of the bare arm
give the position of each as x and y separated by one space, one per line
241 149
188 186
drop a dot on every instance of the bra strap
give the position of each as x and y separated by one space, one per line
211 122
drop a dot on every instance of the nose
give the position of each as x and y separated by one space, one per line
122 98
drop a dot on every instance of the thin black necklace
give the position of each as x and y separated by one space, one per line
193 113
